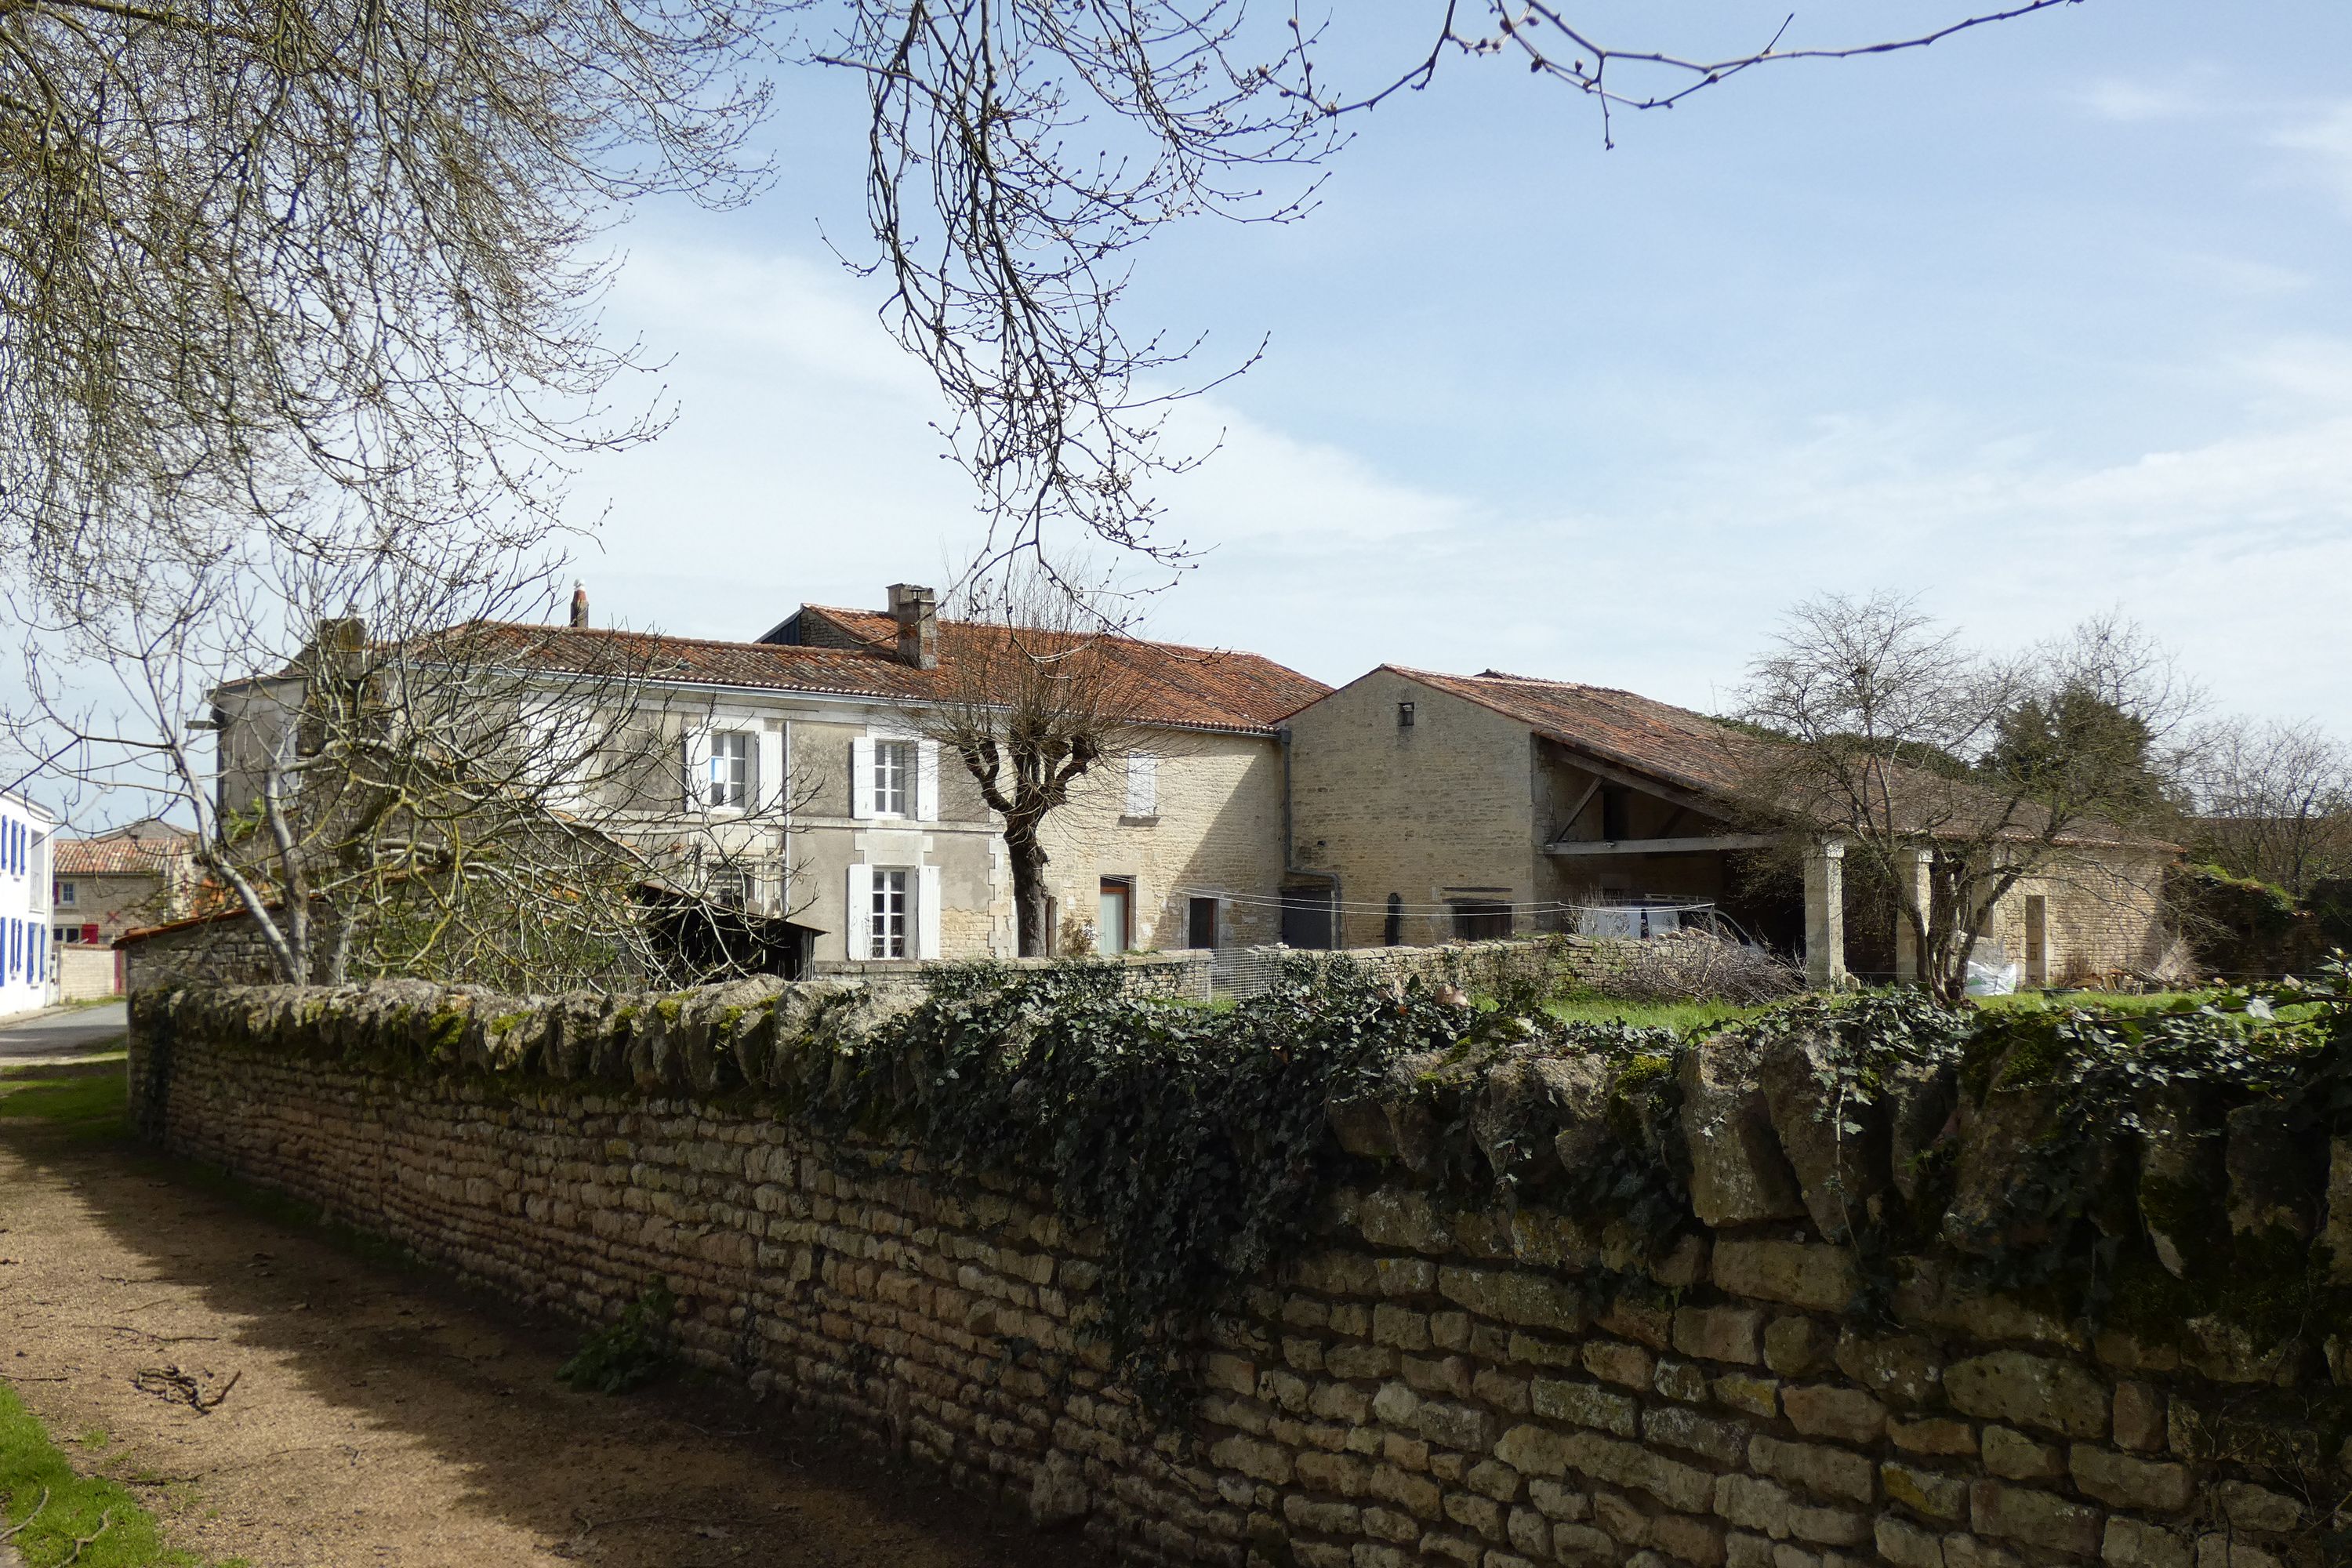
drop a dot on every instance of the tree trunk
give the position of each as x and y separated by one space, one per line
1028 858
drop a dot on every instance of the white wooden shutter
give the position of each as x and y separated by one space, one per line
1142 785
770 778
926 781
860 924
861 777
927 911
698 769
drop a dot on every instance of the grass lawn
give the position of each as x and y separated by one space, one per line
50 1514
1647 1014
57 1516
2090 1001
84 1099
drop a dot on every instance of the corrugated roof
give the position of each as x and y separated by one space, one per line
1208 688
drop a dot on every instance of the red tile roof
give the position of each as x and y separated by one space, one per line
1666 742
1710 757
116 857
1194 688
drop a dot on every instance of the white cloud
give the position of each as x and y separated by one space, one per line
803 468
2326 140
2134 102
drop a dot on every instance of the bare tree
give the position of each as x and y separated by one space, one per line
2274 802
1038 694
1021 154
321 269
1951 776
392 768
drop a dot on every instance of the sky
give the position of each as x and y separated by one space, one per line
2048 321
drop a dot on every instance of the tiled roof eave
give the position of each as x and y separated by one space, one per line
851 693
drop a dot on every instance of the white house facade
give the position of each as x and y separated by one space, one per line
26 972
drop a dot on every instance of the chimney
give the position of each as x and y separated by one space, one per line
579 603
916 611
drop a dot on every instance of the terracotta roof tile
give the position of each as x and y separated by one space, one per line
1194 687
1708 757
1670 743
113 856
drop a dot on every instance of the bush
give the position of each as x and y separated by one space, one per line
631 1352
1693 966
2240 926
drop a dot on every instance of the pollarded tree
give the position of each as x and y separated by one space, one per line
1949 776
1039 690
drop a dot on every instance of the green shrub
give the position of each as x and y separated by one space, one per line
631 1352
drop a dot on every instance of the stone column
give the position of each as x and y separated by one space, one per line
1825 915
1911 870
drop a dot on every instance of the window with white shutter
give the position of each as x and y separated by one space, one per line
698 769
927 911
926 781
859 921
861 777
1142 785
895 780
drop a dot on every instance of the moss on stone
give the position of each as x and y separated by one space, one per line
447 1031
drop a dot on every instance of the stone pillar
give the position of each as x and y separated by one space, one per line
1825 915
1911 870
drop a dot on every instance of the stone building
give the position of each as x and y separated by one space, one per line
138 875
790 776
1430 807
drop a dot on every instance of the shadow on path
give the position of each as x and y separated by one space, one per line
359 1412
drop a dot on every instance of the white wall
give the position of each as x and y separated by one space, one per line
26 965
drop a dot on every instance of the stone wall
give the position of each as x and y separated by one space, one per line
1432 1379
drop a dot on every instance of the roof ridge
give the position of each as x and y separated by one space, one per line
1007 626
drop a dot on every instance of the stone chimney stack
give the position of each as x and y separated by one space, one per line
916 611
579 604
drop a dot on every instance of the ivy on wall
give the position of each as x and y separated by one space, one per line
2147 1168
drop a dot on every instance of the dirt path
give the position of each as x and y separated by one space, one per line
367 1415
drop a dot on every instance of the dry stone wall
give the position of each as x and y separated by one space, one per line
1429 1380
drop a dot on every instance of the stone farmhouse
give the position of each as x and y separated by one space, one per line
1430 807
1251 804
800 789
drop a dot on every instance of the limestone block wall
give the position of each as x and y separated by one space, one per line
2102 914
1433 1378
1215 832
1439 810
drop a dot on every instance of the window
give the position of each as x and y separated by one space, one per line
1142 785
893 761
1201 922
65 899
66 934
1405 715
1616 807
731 889
734 768
887 922
1481 920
